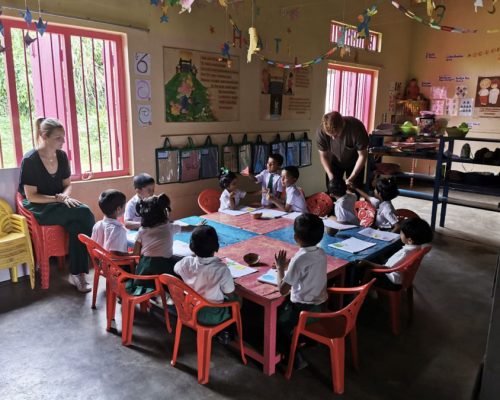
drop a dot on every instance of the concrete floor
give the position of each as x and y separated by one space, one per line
53 346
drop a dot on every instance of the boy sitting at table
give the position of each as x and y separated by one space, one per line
345 212
294 200
144 185
304 277
109 232
270 180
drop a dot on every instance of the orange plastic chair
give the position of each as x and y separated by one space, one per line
116 279
331 330
404 213
129 261
48 241
188 303
366 213
319 204
409 268
209 200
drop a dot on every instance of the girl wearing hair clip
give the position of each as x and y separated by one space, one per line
231 195
45 183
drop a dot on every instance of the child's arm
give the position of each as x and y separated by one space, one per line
396 228
190 228
362 193
232 201
281 264
133 225
137 248
280 204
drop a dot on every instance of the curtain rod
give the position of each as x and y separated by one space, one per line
54 14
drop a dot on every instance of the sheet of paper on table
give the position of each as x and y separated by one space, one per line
180 223
238 270
352 245
181 249
380 235
292 215
234 212
330 223
249 209
268 213
271 276
131 236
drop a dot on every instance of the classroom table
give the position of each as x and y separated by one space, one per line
249 223
267 295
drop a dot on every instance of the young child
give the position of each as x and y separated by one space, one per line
415 232
155 240
207 275
295 200
269 179
345 212
231 196
144 185
305 278
386 190
109 232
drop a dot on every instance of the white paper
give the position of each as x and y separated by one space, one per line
180 223
268 213
234 212
330 223
131 236
380 235
271 276
181 249
292 215
238 270
352 245
249 209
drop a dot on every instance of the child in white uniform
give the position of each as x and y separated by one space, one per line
294 200
345 212
144 185
231 195
270 179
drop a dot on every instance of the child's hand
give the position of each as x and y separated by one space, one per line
202 222
281 260
232 195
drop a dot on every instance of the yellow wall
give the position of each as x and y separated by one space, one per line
309 38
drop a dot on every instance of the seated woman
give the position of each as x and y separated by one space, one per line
46 185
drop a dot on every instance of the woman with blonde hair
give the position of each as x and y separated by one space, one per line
45 183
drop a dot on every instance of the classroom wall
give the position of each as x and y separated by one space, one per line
308 39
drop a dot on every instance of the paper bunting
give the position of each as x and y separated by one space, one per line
40 26
225 56
1 28
253 47
363 27
28 39
341 42
27 16
478 3
301 65
186 5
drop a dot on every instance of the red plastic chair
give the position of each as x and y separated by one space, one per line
48 241
116 279
129 261
404 213
409 268
209 200
188 303
331 330
366 213
320 204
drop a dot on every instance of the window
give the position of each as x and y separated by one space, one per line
374 44
74 75
349 91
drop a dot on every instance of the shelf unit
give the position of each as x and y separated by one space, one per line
441 185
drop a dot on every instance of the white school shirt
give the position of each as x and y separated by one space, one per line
130 212
397 258
225 203
263 179
493 96
110 234
386 213
306 274
295 198
208 276
158 240
345 211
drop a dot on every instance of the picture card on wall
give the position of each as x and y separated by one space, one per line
144 117
466 107
452 107
142 63
437 106
143 89
439 92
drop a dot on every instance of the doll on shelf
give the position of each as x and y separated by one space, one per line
412 91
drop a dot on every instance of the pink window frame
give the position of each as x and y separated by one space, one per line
74 154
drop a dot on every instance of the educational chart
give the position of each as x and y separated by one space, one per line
199 88
285 93
487 97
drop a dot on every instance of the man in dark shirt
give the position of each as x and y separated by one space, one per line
343 147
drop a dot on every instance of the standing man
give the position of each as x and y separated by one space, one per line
342 143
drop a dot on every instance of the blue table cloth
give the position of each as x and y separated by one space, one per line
382 248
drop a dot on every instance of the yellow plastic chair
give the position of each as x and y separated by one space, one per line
15 243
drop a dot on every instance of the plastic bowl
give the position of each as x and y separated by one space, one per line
257 215
251 258
455 132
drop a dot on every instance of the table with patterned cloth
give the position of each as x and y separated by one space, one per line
247 222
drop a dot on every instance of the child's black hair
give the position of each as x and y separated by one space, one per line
152 210
110 200
204 241
387 188
277 157
418 230
292 171
337 187
309 229
225 178
143 180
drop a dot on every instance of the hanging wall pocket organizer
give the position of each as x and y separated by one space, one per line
167 163
260 155
209 160
305 151
230 155
245 156
292 151
279 147
190 162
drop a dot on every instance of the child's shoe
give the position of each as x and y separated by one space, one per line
225 337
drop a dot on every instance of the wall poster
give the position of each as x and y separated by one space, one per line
487 104
199 88
285 93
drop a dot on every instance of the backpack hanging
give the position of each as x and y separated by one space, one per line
260 155
292 151
279 147
209 154
230 155
190 162
167 163
305 151
245 156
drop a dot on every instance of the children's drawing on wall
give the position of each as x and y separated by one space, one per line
487 97
199 88
285 93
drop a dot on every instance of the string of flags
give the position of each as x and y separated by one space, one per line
296 65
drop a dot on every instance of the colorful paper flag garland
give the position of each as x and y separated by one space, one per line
306 64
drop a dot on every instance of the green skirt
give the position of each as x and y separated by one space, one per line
216 315
150 266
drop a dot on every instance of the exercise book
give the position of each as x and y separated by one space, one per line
271 276
238 270
380 235
352 245
330 223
